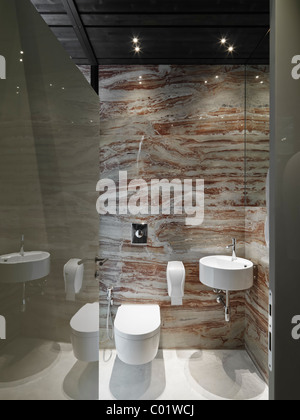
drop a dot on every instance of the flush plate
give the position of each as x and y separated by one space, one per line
139 234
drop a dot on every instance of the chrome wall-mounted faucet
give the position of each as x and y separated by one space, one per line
109 296
233 246
99 260
22 252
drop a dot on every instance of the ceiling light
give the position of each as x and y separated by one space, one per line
223 41
206 82
137 49
231 49
135 40
257 77
217 77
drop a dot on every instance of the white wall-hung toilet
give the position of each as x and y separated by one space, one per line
85 333
137 333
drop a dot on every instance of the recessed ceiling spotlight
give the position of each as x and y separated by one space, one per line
135 40
137 49
217 77
206 82
257 77
261 82
223 41
230 49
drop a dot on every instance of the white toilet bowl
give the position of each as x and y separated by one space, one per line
137 333
85 333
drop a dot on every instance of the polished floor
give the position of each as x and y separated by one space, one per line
35 369
183 375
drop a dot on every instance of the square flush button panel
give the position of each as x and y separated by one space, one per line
139 234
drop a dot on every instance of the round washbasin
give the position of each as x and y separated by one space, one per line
15 268
224 273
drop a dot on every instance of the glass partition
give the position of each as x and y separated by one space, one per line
49 122
257 134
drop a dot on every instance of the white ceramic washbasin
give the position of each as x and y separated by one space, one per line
15 268
222 273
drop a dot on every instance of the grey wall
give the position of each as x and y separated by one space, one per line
285 198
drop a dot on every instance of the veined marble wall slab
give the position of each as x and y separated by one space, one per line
258 134
257 298
168 124
175 122
257 165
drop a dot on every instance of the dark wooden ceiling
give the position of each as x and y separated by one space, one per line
170 31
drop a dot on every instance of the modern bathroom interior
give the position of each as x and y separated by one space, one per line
212 123
161 120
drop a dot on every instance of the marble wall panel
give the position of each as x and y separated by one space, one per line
167 122
257 134
257 298
257 165
170 122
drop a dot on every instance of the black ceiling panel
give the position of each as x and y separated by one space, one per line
166 20
170 31
173 6
48 6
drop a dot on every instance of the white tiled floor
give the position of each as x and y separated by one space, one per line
183 375
33 369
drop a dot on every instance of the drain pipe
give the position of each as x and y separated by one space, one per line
226 305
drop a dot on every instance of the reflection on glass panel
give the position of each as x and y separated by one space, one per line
257 134
49 119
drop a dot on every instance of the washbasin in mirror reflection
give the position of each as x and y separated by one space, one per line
20 268
225 273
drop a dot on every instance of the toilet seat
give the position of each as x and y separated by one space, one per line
137 322
85 323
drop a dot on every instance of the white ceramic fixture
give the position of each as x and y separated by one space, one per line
73 277
17 268
85 333
222 273
137 333
176 282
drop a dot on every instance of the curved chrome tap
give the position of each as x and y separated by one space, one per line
99 260
233 246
